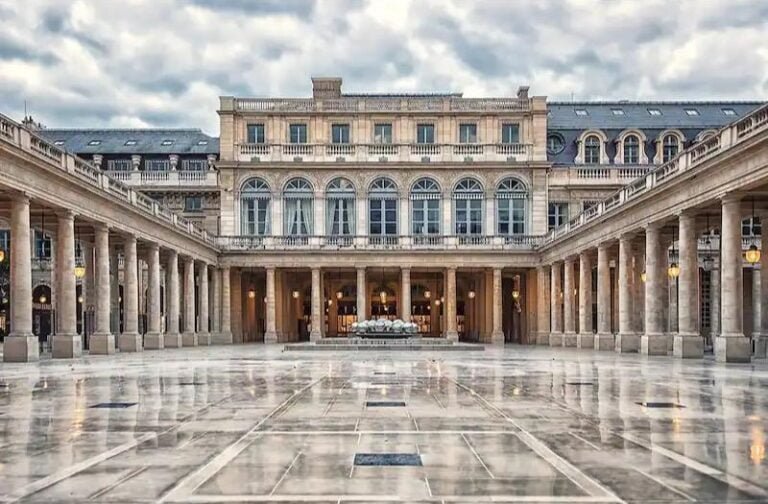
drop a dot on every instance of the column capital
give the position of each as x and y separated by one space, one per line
732 197
153 246
543 267
653 226
19 196
65 214
100 226
571 259
627 236
604 246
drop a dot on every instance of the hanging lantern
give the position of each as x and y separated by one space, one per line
295 294
708 263
251 294
471 294
383 296
79 271
2 255
265 299
427 294
516 294
437 302
673 271
43 299
643 276
80 299
339 294
330 302
753 254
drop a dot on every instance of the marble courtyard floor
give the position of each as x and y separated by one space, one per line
251 423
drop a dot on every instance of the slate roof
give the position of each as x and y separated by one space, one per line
148 141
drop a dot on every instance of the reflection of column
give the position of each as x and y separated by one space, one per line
361 304
761 342
114 292
543 305
604 337
405 287
654 341
688 343
102 340
203 333
216 306
189 337
569 302
586 338
497 336
153 340
21 345
225 335
317 307
130 339
731 345
66 342
627 340
270 336
172 338
451 332
714 294
556 291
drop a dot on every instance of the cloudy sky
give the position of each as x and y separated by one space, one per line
163 63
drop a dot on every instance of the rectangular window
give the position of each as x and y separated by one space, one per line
256 133
255 216
193 203
340 133
382 133
511 216
751 227
298 133
42 245
558 214
468 133
426 217
382 217
469 216
425 133
510 133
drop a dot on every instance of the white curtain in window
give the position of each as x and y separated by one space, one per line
298 213
340 216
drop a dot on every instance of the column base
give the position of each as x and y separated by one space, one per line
556 339
204 339
604 341
570 339
21 348
270 337
627 343
221 338
688 346
497 338
66 346
542 338
452 336
585 340
189 339
653 344
315 335
101 344
130 342
172 340
154 341
733 348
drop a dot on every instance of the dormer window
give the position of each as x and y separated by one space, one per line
581 112
202 142
654 112
94 142
729 112
592 150
58 142
617 112
631 150
130 142
670 147
691 112
166 142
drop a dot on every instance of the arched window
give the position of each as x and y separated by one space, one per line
468 207
340 208
511 204
631 149
255 198
382 207
425 207
670 147
297 203
592 150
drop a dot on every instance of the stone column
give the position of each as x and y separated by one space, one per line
154 339
405 287
714 293
361 302
761 341
270 336
688 343
102 340
556 335
130 339
114 292
216 307
497 334
451 333
172 338
627 340
654 340
586 338
203 332
604 338
569 304
225 335
543 305
21 344
66 342
731 345
189 336
317 307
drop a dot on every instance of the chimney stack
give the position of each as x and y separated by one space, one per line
324 88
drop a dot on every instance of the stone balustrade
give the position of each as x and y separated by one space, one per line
382 104
177 178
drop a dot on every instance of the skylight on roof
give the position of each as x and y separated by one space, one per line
94 142
581 112
654 112
691 112
617 112
166 142
729 112
131 142
58 142
202 142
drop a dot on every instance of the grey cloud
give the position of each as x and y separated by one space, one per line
300 8
12 50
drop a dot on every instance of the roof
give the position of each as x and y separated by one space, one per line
133 141
563 116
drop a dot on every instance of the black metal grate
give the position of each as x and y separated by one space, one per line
387 459
385 373
385 404
114 405
193 383
580 383
652 404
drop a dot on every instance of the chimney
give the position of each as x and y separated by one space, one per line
522 92
324 88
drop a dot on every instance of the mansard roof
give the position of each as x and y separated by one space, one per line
133 141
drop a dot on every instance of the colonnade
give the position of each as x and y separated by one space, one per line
22 345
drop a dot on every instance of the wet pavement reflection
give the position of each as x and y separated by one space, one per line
251 423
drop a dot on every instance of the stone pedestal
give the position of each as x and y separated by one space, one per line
570 339
585 340
688 346
21 348
130 342
627 343
66 346
102 344
154 341
270 337
497 338
732 349
542 338
653 344
556 339
204 339
172 340
604 341
221 338
189 339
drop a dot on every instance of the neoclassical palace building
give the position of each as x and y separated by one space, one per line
629 226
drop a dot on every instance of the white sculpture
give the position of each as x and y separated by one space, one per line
384 326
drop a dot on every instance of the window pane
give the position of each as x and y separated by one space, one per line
298 133
510 133
425 133
467 133
382 134
340 133
256 133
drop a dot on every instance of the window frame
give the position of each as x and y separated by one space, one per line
426 128
558 217
380 139
512 126
301 127
256 128
341 128
470 128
